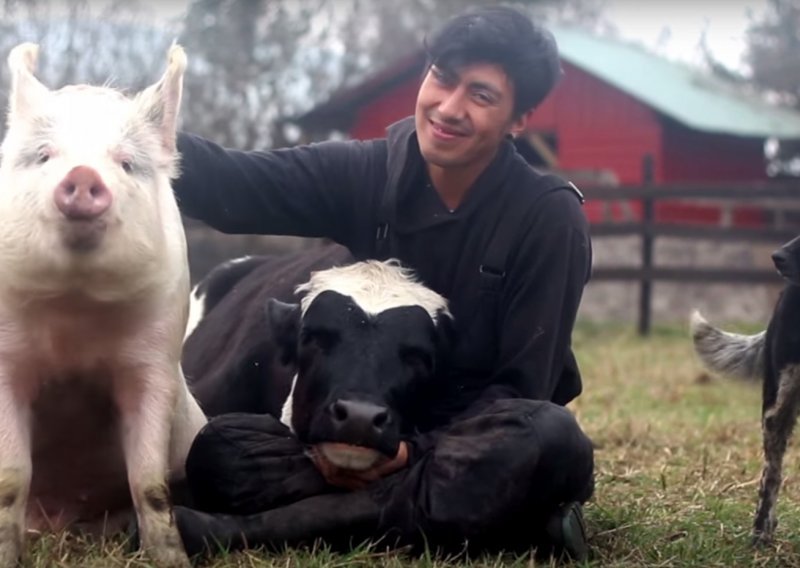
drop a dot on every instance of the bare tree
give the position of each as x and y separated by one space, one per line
773 53
773 45
397 28
243 74
81 45
773 50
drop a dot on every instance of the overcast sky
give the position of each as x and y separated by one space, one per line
674 28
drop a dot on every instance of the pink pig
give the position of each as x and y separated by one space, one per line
94 290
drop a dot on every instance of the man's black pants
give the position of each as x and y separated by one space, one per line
489 481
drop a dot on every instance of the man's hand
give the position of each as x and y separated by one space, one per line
358 479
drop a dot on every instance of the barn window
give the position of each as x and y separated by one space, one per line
539 148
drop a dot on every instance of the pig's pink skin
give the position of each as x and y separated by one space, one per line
94 289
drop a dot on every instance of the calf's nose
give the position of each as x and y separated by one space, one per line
359 422
82 195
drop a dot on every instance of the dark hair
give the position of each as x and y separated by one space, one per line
501 35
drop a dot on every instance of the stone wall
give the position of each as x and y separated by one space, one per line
673 301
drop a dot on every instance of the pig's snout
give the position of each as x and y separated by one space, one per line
82 195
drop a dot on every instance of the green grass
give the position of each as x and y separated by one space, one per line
678 459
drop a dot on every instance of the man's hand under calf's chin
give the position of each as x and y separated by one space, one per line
354 479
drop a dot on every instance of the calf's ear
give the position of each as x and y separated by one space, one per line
284 322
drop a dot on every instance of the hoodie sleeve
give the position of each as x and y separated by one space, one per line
307 191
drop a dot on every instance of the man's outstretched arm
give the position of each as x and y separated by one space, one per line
304 191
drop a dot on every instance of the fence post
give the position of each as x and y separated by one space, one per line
648 218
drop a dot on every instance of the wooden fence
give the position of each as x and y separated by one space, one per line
778 202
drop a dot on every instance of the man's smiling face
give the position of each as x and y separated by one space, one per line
463 114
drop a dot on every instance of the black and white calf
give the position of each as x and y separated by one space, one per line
353 368
342 368
774 357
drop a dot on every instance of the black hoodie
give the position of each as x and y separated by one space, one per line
515 343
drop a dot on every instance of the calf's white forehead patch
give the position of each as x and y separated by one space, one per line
375 286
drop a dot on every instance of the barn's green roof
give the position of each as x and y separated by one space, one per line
690 96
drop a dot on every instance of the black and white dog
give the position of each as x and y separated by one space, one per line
774 356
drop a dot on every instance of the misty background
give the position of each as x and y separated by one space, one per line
254 65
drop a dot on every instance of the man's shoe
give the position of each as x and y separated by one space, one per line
204 534
566 530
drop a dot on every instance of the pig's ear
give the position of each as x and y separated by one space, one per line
160 103
26 90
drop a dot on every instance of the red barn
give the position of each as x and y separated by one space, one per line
616 104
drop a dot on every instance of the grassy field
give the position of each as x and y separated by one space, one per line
678 460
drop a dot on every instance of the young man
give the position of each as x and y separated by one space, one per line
501 463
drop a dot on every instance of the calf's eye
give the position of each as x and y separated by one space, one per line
324 339
417 359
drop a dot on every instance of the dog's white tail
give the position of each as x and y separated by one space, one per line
731 354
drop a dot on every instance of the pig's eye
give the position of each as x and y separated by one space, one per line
42 157
127 166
